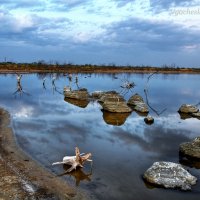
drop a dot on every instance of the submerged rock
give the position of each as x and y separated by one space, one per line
169 175
191 150
149 120
138 104
187 108
81 94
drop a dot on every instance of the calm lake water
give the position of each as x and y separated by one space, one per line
48 128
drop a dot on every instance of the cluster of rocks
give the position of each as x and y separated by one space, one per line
114 107
113 102
188 111
172 175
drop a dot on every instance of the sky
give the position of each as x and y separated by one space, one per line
120 32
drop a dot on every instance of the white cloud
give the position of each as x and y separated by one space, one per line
24 112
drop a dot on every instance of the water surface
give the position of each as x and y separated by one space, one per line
47 127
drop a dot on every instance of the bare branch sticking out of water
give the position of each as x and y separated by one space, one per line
146 95
148 79
154 110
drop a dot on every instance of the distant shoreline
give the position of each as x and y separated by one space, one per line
9 67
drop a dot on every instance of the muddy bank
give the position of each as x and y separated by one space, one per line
23 178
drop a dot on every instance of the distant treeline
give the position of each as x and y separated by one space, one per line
41 66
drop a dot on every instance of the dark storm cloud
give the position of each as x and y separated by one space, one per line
37 31
159 36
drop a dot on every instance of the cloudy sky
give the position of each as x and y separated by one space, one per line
134 32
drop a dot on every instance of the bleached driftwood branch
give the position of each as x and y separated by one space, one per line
75 161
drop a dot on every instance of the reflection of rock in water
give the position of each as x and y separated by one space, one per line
116 119
78 174
189 153
77 102
185 116
141 113
190 162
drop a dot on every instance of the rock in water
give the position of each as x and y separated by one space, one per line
149 120
135 99
191 149
187 108
113 102
169 175
138 104
81 94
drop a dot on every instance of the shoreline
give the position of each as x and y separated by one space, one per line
22 177
45 68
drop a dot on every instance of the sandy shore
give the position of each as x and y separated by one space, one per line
23 178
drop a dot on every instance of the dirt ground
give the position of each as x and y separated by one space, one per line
23 178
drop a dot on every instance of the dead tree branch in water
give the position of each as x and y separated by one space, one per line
154 110
20 90
148 79
147 99
126 87
54 87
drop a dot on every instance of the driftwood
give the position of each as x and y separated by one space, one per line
75 161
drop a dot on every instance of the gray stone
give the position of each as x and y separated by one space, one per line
187 108
138 104
191 149
111 96
135 99
169 175
141 107
81 94
116 107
